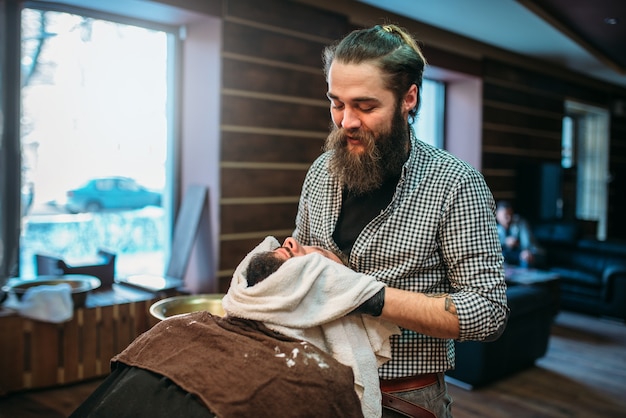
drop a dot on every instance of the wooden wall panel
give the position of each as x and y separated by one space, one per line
271 217
531 101
532 82
543 125
275 117
255 77
499 181
274 114
528 140
289 16
250 41
237 182
437 57
495 161
257 147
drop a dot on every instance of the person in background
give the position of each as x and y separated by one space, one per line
519 246
411 215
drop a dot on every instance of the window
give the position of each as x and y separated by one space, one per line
567 142
95 128
585 147
429 123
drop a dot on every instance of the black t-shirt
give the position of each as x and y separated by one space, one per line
358 210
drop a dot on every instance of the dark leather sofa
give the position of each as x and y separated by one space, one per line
524 340
592 273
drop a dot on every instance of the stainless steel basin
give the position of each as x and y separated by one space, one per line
176 305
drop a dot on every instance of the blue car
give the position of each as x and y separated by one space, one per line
110 193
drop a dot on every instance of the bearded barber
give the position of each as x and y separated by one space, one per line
413 216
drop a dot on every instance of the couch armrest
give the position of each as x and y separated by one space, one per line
614 290
612 276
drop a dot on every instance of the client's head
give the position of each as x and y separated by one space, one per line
265 263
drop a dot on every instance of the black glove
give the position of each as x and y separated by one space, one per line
374 305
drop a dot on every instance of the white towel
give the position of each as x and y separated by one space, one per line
309 298
46 303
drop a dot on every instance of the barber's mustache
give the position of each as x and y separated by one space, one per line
358 134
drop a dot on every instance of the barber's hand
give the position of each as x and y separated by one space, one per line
374 305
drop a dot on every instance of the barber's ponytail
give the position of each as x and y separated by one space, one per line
407 38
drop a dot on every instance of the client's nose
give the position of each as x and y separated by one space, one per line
290 243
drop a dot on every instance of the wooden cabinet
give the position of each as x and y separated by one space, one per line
36 354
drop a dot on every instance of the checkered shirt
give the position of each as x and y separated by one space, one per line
438 235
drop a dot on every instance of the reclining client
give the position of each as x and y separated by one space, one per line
287 346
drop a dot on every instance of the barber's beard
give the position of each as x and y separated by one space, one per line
383 156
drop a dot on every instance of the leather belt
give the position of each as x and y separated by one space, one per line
404 407
402 384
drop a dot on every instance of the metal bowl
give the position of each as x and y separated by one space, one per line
177 305
81 285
